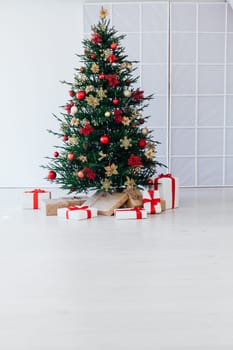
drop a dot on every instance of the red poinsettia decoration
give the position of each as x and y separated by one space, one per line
68 107
134 161
112 80
86 130
95 38
89 173
118 115
138 95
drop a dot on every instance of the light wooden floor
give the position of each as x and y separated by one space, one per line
104 284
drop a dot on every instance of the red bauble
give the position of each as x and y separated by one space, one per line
127 82
150 182
112 59
81 69
113 46
80 174
80 95
93 56
142 143
115 101
65 138
71 93
141 121
71 156
55 154
52 175
101 76
104 139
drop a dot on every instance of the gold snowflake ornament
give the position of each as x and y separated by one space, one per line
111 170
101 93
92 101
129 183
125 142
106 184
83 159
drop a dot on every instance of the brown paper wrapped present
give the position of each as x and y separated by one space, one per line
106 202
50 206
135 199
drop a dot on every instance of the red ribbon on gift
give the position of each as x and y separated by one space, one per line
35 192
84 207
173 184
153 201
137 210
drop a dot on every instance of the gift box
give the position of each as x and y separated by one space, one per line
106 202
151 202
33 199
168 187
77 212
50 206
134 198
130 213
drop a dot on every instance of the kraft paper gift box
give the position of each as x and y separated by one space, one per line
168 187
32 199
106 202
50 206
134 198
151 202
77 212
130 213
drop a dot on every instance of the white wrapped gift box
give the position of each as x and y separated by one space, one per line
151 202
32 199
168 187
77 212
130 213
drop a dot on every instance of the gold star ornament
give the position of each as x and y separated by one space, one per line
103 13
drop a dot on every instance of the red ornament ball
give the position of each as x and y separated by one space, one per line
55 154
93 56
141 121
101 76
142 143
150 182
80 95
115 101
112 59
80 174
71 156
65 138
113 46
52 175
71 93
82 69
104 139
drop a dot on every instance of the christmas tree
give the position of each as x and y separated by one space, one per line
105 144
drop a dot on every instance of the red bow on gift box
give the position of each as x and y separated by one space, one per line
84 207
35 192
153 201
173 183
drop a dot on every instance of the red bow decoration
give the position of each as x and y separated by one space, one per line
168 176
84 207
35 192
153 201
